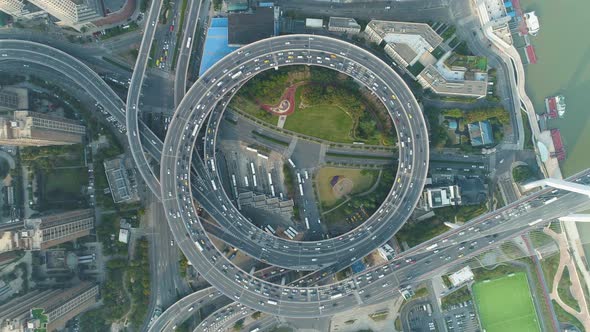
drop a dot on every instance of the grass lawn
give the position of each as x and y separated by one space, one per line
64 184
506 305
38 314
362 182
322 121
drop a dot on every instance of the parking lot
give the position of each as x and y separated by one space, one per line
420 318
462 318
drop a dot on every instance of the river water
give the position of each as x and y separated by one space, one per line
563 51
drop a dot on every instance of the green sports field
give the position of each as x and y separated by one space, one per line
506 305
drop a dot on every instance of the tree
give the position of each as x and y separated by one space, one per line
239 325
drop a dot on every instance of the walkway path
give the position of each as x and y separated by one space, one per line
565 260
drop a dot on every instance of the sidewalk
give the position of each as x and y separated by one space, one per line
565 260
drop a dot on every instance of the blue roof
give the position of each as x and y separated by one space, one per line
266 4
216 44
358 266
481 133
508 4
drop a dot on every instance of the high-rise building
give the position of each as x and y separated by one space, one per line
46 231
48 309
26 128
14 8
49 231
72 13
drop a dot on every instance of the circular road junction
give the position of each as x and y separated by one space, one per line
223 78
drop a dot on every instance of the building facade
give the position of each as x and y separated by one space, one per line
26 128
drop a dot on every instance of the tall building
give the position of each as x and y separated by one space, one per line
72 13
47 309
14 8
49 231
26 128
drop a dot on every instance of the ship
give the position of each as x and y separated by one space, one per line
532 23
558 144
555 106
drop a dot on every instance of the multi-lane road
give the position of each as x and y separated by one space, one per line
178 186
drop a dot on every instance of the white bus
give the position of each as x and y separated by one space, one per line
252 168
306 175
199 246
246 181
298 177
272 302
195 131
291 163
306 223
236 75
188 42
335 296
272 231
254 180
269 179
300 189
233 180
213 184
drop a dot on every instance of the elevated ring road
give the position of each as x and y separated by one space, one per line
190 117
222 79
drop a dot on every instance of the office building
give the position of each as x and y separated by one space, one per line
432 78
416 48
14 8
433 198
72 13
246 28
48 309
344 24
24 128
77 14
406 43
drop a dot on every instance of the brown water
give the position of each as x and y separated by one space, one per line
563 51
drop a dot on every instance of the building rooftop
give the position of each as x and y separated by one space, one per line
121 180
461 276
410 40
246 28
216 44
343 22
439 84
480 133
13 98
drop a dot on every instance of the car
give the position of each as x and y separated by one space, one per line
172 243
